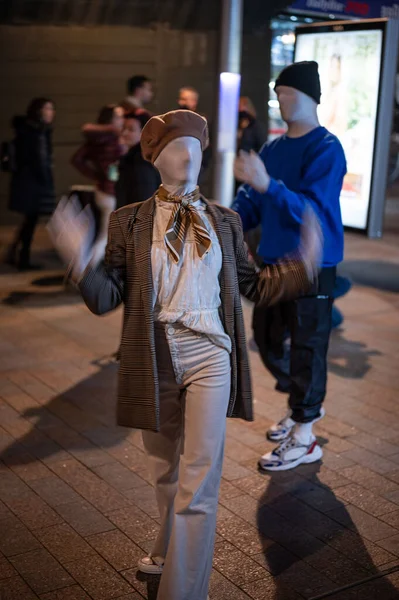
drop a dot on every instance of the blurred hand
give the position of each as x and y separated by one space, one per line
311 245
72 231
249 168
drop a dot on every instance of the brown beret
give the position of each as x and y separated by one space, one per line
162 129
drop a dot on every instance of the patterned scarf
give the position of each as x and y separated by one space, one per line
183 214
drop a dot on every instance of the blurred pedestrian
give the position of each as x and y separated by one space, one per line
140 93
32 185
138 178
98 160
188 98
251 134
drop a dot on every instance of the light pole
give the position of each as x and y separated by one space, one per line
229 91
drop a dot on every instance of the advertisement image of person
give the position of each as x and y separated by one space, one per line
334 99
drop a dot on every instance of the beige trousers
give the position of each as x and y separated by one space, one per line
186 456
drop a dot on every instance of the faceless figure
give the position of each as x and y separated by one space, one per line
303 167
178 264
179 164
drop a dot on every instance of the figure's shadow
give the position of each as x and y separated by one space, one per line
49 280
38 296
151 582
378 274
49 259
31 299
81 418
310 543
347 358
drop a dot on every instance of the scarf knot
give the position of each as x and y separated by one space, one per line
184 214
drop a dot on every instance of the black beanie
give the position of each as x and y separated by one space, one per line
303 76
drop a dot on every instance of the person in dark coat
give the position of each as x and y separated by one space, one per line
138 178
251 134
32 185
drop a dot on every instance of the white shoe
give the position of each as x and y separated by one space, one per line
152 565
282 430
290 454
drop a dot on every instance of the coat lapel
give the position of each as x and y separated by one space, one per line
142 231
223 231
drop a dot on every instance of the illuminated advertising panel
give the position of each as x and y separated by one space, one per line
350 61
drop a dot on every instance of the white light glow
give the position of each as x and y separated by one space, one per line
228 111
274 104
288 39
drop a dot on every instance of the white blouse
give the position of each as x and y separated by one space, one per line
187 293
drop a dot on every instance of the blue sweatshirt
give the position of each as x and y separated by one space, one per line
309 169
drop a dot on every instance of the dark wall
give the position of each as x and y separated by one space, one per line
82 68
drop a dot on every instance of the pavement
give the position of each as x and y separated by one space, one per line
77 508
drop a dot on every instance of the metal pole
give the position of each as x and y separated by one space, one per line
230 64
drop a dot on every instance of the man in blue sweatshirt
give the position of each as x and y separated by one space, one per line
304 166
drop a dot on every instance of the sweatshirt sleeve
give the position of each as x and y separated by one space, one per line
322 178
247 205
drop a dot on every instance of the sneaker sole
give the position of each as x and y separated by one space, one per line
282 438
316 455
150 569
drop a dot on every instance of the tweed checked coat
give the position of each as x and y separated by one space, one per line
126 276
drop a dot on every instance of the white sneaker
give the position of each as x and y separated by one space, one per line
289 454
282 430
152 565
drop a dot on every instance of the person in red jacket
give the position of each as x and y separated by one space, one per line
98 160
